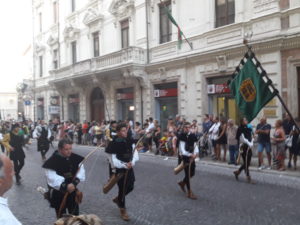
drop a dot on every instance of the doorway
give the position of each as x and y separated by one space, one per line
225 106
166 108
97 105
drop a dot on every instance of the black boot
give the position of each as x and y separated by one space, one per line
236 174
18 179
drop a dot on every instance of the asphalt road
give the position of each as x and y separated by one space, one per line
157 199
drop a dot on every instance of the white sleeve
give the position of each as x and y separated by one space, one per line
53 179
109 158
34 134
118 163
81 174
182 149
196 150
135 157
49 133
1 137
211 128
245 141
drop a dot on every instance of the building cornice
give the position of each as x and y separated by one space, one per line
259 46
92 16
71 33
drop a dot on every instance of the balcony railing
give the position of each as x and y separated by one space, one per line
131 55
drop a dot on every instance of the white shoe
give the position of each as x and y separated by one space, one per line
166 158
261 167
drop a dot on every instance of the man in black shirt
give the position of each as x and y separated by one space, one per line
43 134
189 151
245 141
264 142
123 159
61 169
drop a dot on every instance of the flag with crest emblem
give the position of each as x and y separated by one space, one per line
250 90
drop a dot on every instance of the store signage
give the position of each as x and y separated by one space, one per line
40 102
171 92
222 88
27 102
218 89
54 100
124 96
73 100
211 89
54 109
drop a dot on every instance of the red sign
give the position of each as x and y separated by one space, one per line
124 96
171 92
74 100
40 102
222 88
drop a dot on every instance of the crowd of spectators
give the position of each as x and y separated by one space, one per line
216 135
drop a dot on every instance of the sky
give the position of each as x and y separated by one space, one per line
15 37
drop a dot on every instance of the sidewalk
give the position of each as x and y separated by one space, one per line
254 165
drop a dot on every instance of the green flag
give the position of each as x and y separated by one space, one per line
250 90
179 32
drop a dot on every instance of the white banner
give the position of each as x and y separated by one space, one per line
54 109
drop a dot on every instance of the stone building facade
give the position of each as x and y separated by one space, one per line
8 106
118 59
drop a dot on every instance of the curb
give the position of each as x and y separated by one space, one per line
286 173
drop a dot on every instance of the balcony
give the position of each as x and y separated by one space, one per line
37 3
132 55
112 61
42 82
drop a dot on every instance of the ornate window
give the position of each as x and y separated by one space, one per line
74 51
40 22
225 12
165 25
55 59
96 44
55 12
125 33
73 5
284 4
41 66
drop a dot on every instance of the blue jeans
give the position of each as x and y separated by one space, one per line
233 152
262 145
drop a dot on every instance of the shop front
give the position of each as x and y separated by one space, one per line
166 102
40 109
54 107
125 104
73 107
221 101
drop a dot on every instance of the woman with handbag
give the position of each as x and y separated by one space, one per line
295 147
278 140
